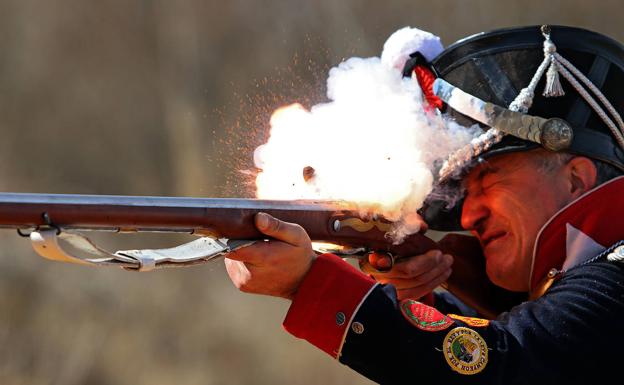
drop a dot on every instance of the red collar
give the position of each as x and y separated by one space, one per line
580 230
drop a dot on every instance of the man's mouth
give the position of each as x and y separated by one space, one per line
488 238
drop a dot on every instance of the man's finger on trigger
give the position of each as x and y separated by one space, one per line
443 262
284 231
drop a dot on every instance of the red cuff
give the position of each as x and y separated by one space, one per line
326 302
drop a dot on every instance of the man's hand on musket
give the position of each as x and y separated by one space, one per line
275 267
417 276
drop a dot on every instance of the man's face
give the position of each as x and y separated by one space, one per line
508 199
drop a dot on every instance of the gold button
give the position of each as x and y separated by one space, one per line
357 328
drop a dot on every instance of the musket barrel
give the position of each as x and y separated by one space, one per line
331 221
231 217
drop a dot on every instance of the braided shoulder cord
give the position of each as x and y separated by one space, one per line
523 101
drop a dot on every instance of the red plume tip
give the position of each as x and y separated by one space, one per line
425 78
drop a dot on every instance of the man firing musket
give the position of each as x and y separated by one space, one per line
539 189
543 191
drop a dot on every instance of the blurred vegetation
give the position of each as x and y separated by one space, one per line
170 98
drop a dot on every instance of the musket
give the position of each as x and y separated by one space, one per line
53 220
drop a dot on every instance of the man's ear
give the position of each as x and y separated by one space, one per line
582 175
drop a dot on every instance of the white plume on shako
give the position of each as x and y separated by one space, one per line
375 143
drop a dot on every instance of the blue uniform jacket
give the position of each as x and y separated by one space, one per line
568 335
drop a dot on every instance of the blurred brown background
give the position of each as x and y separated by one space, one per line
170 98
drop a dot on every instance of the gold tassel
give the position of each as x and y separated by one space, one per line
553 87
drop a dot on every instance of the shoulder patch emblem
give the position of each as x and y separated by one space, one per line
424 317
465 350
471 321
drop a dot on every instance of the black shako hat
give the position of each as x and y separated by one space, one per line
570 80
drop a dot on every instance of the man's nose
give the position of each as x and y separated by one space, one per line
474 212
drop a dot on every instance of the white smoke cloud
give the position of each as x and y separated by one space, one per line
373 143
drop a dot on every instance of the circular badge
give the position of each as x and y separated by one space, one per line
424 317
465 351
